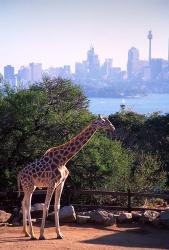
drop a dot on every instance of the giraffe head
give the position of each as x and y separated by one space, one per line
103 122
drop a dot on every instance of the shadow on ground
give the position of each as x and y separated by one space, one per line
138 237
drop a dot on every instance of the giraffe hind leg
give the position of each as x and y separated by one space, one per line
24 211
28 197
58 193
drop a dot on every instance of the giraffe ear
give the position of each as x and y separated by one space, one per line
100 117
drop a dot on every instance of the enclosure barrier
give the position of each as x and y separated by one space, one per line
10 200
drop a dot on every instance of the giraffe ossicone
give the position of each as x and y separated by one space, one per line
50 171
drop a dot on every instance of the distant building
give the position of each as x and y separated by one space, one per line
63 72
133 62
24 77
81 69
66 73
93 64
156 68
106 69
146 73
9 76
35 72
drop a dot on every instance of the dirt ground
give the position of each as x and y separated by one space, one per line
88 237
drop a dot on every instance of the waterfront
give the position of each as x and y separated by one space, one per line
143 105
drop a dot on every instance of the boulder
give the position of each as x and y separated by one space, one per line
124 217
37 206
136 215
102 217
37 210
16 221
4 217
164 218
85 213
66 214
82 219
150 216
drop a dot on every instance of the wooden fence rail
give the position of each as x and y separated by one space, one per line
12 197
127 194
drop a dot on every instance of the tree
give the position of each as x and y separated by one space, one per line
146 137
146 175
31 122
103 164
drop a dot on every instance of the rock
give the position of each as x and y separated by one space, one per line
5 224
102 217
164 218
37 206
82 219
124 217
150 216
16 221
86 213
37 210
136 215
4 217
66 214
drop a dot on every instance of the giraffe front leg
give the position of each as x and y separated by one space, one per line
58 193
49 194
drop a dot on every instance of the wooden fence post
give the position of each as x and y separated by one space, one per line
129 209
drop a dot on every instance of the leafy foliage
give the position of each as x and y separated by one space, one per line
53 111
30 123
102 164
148 174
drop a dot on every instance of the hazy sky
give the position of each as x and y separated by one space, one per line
58 32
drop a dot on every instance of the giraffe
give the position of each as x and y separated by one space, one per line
51 172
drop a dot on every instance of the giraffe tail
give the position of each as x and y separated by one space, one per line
19 185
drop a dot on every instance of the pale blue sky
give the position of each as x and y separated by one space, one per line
58 32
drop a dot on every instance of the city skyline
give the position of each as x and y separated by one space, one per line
56 32
91 69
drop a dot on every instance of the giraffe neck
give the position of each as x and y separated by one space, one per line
66 151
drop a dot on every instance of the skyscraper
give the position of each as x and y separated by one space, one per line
9 75
107 68
23 77
36 71
133 61
93 63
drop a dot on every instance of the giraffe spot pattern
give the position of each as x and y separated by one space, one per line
65 153
56 161
73 149
46 159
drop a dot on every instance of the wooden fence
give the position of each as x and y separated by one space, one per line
128 195
10 200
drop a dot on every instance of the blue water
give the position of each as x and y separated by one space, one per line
143 105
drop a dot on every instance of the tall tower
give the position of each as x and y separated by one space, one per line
150 36
168 53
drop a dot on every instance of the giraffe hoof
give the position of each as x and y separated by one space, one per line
33 238
60 236
42 238
27 235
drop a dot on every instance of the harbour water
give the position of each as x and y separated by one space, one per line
143 105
